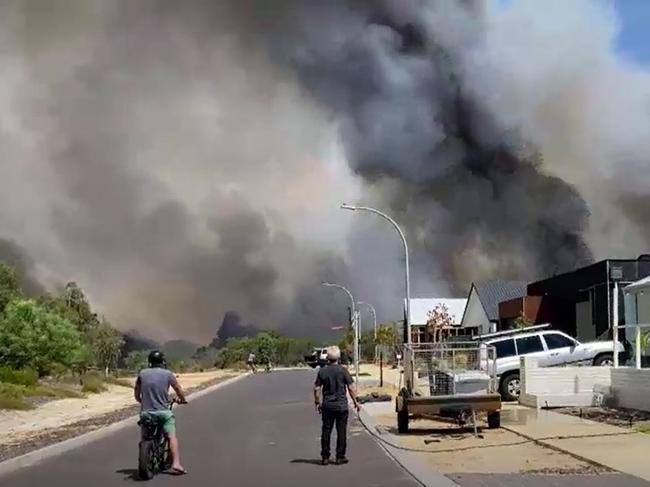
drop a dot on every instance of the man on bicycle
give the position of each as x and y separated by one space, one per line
250 361
152 392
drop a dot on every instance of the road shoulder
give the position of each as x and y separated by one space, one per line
36 456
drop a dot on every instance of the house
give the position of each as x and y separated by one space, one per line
536 309
482 311
582 299
420 309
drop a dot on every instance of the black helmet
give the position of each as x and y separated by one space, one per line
156 358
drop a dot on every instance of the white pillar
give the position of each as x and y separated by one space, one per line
615 324
637 346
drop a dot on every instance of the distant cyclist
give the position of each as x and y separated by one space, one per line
152 392
250 361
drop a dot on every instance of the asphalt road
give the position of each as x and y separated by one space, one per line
260 431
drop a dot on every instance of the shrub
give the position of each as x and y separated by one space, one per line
12 396
53 392
23 377
92 383
31 336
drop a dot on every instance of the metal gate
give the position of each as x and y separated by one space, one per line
449 368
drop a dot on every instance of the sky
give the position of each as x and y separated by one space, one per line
634 18
634 39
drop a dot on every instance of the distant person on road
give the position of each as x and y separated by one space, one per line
250 361
152 392
335 383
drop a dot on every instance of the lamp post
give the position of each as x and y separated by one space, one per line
407 278
355 319
374 316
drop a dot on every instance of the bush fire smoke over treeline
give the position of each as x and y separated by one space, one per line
184 159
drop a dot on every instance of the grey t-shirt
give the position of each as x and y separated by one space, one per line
154 388
334 379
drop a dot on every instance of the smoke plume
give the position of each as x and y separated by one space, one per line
185 159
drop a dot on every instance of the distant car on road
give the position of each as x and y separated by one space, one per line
318 358
550 347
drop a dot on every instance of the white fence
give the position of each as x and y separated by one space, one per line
561 386
625 387
631 387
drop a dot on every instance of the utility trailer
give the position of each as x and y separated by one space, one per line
449 379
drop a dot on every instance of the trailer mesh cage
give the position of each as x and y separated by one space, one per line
449 368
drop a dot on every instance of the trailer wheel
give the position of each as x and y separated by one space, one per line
403 420
494 420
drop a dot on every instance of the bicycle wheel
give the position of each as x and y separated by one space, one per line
166 456
146 460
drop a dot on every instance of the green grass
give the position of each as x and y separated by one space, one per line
92 383
644 428
53 392
17 403
23 377
12 396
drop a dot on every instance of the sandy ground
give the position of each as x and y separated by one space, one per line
16 426
450 449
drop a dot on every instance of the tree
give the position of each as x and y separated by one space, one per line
107 344
77 308
439 322
205 357
523 321
9 289
137 360
31 336
386 336
266 346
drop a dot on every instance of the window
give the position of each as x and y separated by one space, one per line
555 340
505 348
529 344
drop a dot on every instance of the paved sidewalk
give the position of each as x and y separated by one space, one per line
614 447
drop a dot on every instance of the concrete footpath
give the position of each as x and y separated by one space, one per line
616 448
533 448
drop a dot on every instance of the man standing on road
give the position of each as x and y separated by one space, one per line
151 391
336 383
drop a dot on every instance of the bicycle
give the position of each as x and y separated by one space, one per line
154 455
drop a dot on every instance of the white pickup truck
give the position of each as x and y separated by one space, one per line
552 348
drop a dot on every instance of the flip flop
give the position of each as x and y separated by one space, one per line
176 471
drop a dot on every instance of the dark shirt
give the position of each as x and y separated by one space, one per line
334 379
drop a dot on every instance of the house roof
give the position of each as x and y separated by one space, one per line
493 292
421 307
638 286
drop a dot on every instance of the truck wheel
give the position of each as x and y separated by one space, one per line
403 420
510 386
604 360
494 420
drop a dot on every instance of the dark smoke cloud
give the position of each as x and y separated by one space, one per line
393 74
14 255
185 159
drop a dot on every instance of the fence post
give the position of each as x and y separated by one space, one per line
381 368
637 347
615 324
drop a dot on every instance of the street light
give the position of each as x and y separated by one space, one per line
342 288
374 316
355 328
407 278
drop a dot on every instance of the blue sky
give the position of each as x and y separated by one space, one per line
634 16
634 40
